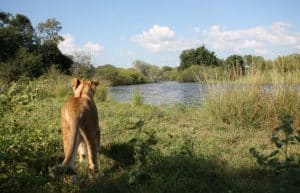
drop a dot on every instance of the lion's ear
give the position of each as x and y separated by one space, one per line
75 83
94 83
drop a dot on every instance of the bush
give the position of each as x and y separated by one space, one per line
24 64
102 92
137 98
282 160
22 157
119 76
188 75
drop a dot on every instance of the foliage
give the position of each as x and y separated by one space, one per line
82 67
52 56
119 76
23 160
257 63
202 74
289 63
198 56
22 51
49 30
151 72
15 32
137 98
143 148
24 64
102 92
281 159
188 75
249 106
236 66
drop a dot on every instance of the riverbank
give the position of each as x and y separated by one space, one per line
144 148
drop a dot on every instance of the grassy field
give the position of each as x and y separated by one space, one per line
147 148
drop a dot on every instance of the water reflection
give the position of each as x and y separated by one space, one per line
163 93
171 92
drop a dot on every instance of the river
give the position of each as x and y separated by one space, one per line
162 93
172 92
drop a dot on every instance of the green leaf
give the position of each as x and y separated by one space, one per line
274 153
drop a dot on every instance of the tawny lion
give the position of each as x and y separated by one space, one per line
80 128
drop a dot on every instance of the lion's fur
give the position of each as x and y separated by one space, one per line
79 123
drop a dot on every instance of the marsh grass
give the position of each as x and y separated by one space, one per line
251 106
102 93
257 99
146 148
137 98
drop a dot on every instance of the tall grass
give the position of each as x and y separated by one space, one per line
249 103
137 98
102 93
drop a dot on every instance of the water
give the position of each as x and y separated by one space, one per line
163 93
171 92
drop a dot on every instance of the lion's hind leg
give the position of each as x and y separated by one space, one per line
82 151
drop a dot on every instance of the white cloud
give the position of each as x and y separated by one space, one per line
255 40
162 38
93 48
68 46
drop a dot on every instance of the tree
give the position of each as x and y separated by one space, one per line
255 62
5 19
49 30
22 52
198 56
82 67
24 64
15 32
236 65
51 55
152 72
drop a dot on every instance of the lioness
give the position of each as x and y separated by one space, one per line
79 122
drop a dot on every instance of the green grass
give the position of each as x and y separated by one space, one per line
144 148
251 106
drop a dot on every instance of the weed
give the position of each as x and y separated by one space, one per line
281 160
137 98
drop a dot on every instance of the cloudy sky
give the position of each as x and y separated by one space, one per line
120 31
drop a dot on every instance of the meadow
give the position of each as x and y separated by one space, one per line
147 148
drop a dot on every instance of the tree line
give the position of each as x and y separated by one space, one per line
28 51
199 63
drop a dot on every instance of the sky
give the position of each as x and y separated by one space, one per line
118 32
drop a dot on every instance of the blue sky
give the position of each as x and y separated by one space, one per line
156 31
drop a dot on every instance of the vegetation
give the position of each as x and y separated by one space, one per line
148 148
119 76
137 98
24 52
199 56
154 73
283 137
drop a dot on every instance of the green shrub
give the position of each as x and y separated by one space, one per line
137 98
119 76
23 64
188 75
102 93
282 160
22 157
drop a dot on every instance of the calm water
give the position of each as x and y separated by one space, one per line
163 93
168 93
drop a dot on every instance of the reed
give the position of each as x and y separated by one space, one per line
249 103
137 98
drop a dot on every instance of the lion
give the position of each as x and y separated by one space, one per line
80 128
